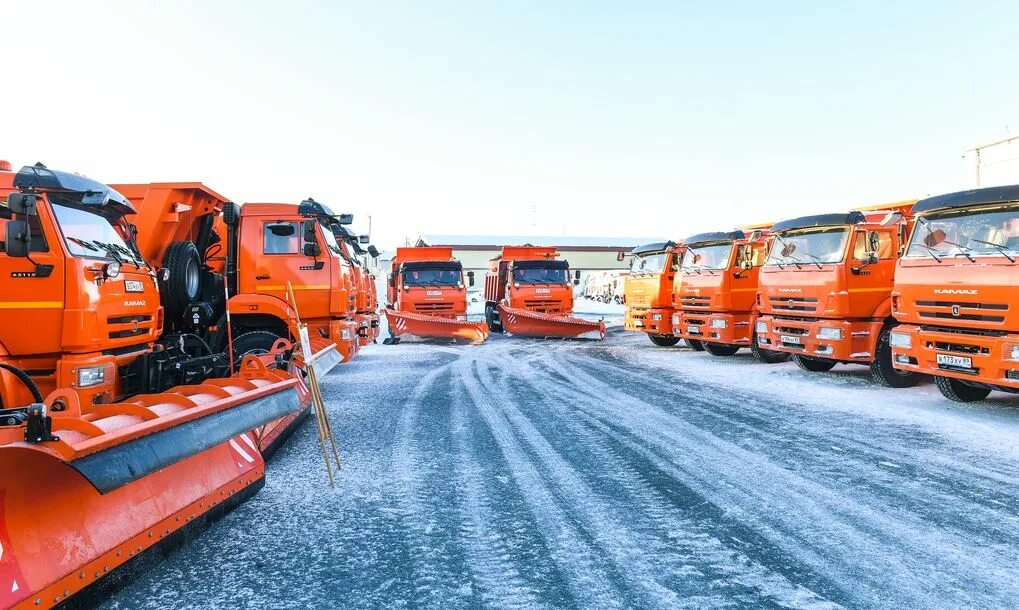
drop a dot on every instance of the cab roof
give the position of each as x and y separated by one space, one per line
972 197
715 236
38 177
660 246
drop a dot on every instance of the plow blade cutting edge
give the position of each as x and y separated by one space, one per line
404 324
526 323
122 484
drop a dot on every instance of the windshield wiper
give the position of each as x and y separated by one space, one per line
83 243
816 260
923 242
997 247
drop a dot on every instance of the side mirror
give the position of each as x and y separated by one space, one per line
375 252
312 250
23 203
755 236
576 274
746 264
470 278
872 258
873 241
345 219
364 239
309 231
17 238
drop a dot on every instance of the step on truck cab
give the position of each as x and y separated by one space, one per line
529 292
427 297
717 297
957 293
826 290
647 292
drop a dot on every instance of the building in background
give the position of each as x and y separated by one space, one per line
584 253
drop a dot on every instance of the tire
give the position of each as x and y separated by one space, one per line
253 343
767 356
720 349
695 345
814 365
882 369
663 340
183 287
956 390
492 318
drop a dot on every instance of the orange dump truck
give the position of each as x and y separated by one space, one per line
126 474
826 288
957 293
428 297
529 292
717 294
647 291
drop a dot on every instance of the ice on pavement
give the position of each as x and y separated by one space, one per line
533 474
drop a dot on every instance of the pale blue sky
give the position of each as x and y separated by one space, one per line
517 117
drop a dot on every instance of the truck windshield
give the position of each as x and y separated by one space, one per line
432 277
711 257
809 247
648 263
540 275
90 235
984 232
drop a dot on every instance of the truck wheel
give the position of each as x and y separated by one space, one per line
814 365
183 287
767 356
253 343
663 340
695 345
882 369
954 389
492 318
720 349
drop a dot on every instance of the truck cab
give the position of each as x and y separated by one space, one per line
825 290
647 292
530 278
956 293
428 280
79 302
717 297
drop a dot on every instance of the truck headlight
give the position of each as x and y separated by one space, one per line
718 323
902 340
91 375
675 319
831 334
657 317
761 326
1014 353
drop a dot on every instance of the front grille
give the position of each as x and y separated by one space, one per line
128 319
949 310
791 330
695 301
433 306
541 304
123 334
960 348
794 303
793 319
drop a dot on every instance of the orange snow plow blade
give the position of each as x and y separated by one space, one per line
92 494
404 324
527 323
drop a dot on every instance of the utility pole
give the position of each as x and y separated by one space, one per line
977 150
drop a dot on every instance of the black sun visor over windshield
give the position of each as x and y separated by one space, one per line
85 191
973 197
544 264
714 236
819 220
655 247
447 265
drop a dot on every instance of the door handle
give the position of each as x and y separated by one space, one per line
261 277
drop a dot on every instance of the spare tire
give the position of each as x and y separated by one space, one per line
183 286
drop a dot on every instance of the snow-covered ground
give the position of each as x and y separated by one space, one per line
524 473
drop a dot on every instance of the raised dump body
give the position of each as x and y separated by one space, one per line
825 290
957 293
529 292
647 292
717 293
428 298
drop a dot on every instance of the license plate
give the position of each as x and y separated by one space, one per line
791 339
134 286
957 361
433 293
542 291
694 330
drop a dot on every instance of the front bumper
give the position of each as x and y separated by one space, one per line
656 321
858 342
714 327
989 356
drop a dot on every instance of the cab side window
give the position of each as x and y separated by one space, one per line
281 238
